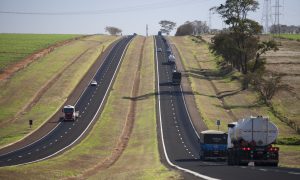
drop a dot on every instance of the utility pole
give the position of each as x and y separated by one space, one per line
146 30
277 16
266 16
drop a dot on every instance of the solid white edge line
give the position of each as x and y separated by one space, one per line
60 122
162 134
121 59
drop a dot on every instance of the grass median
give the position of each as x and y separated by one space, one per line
140 160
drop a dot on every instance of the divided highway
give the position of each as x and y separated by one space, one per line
65 134
180 145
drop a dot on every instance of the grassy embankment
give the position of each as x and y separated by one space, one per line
141 157
73 59
208 85
15 47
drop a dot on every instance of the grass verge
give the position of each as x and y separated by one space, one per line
140 159
207 85
73 60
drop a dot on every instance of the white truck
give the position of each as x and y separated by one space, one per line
250 140
171 59
70 114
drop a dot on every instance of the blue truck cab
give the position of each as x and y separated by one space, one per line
213 145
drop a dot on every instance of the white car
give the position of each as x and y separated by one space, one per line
159 50
94 83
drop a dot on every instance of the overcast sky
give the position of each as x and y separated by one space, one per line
92 16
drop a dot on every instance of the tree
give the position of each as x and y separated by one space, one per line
112 30
185 29
240 45
167 26
192 28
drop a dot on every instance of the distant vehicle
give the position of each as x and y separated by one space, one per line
169 52
213 145
70 113
159 50
159 33
176 77
171 59
94 83
250 140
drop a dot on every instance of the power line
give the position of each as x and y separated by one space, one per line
149 6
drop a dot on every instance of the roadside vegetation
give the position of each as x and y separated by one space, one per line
95 157
37 91
15 47
219 94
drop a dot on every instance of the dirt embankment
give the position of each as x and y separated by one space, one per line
127 129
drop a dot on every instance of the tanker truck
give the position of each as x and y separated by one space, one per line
250 140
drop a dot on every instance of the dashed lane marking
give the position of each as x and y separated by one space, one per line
29 153
296 173
20 156
263 169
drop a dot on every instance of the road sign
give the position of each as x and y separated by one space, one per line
30 123
218 122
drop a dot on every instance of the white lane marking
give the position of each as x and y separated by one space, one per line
263 170
50 144
9 160
20 156
162 133
85 108
94 115
60 122
296 173
29 153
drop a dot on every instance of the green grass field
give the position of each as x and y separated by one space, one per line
73 60
289 36
14 47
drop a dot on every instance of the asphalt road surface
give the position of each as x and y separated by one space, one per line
67 133
180 146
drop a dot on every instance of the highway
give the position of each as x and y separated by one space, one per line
89 105
179 139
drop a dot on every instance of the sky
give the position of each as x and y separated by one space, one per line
131 16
